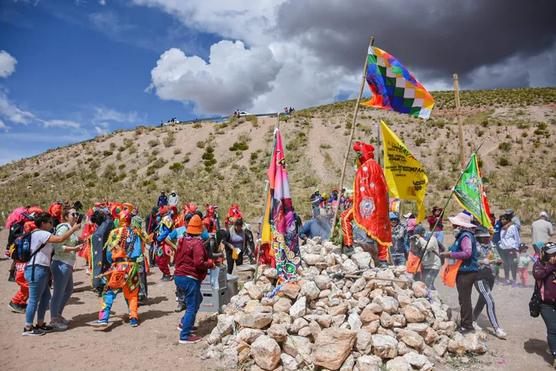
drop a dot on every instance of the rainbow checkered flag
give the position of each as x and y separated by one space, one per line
394 88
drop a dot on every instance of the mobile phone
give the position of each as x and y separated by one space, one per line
79 218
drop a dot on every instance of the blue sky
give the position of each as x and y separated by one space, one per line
83 68
74 69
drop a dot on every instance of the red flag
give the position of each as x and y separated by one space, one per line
370 202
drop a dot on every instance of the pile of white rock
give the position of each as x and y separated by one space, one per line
342 314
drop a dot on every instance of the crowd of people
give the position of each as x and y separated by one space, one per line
477 256
120 248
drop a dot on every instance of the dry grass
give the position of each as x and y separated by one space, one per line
224 163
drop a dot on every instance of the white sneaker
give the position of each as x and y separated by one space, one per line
500 334
63 320
476 326
58 326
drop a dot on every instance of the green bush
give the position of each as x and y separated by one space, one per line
505 146
170 139
239 146
176 167
154 142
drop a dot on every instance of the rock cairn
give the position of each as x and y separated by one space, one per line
342 314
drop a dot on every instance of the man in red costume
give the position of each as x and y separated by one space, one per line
370 204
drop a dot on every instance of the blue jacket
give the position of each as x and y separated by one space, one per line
315 228
470 264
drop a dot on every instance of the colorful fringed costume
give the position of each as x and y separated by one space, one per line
370 203
125 253
166 246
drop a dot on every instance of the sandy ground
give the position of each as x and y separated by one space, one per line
154 344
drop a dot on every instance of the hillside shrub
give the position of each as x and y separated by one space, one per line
169 140
176 167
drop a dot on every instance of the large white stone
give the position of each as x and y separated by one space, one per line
266 352
299 308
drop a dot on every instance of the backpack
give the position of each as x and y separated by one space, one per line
21 248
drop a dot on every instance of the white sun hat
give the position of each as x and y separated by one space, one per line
463 220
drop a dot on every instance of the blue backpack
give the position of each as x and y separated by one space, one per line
21 248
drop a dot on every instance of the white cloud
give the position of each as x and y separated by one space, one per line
101 128
7 64
61 124
13 113
233 77
109 114
315 44
3 126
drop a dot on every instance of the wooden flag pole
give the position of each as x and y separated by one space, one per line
424 249
458 115
355 112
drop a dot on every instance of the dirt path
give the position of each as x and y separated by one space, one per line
154 344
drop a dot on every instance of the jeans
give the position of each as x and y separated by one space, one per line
464 284
193 298
430 276
39 293
398 259
509 258
548 313
483 285
62 274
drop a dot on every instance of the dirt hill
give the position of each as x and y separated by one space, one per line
226 162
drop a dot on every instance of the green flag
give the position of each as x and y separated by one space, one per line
469 193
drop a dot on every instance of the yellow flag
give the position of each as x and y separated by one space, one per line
266 233
405 175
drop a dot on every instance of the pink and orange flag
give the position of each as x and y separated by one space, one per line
279 224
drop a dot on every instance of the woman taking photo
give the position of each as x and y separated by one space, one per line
62 269
37 273
544 272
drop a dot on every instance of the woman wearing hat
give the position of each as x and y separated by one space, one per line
191 266
544 271
464 250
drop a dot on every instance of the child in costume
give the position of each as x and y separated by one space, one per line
166 246
124 251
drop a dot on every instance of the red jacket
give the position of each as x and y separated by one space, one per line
191 258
